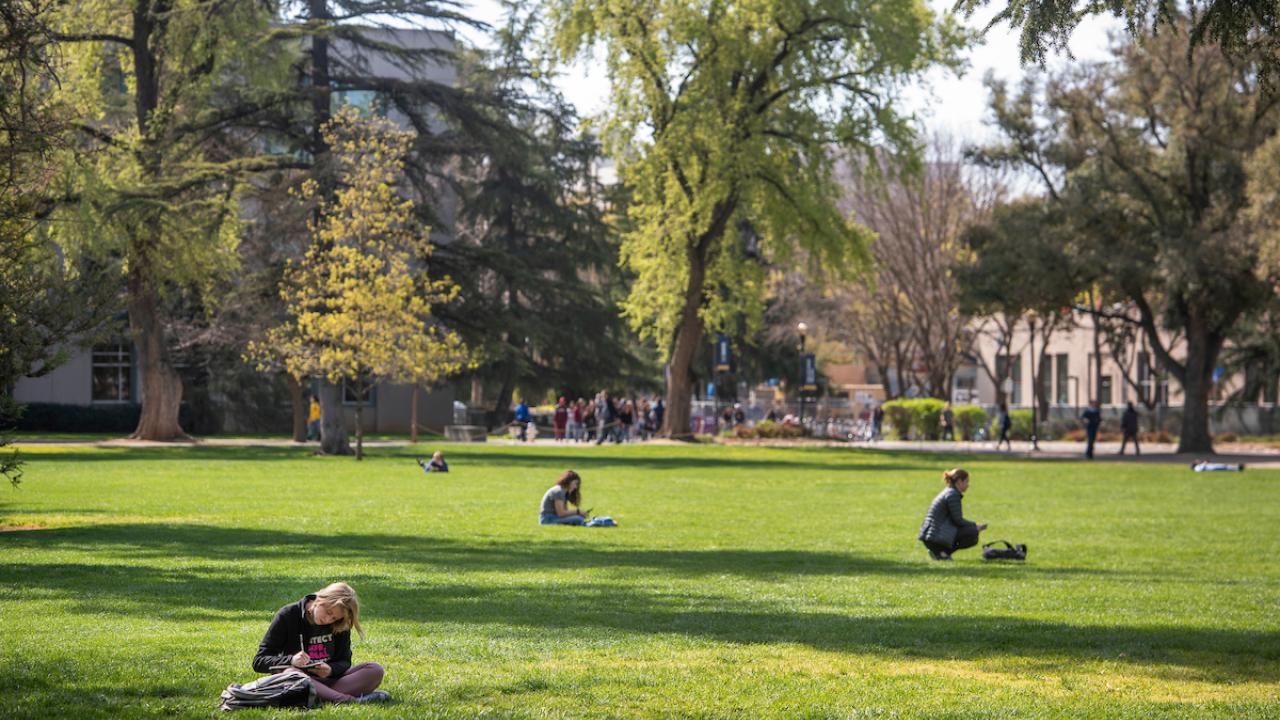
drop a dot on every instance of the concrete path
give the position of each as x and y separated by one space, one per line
1231 453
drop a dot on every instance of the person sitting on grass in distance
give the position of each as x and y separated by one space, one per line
945 530
313 636
437 463
555 503
1206 466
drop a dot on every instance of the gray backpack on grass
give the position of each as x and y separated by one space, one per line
288 689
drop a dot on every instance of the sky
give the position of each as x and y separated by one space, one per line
955 106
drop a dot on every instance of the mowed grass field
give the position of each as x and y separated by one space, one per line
742 582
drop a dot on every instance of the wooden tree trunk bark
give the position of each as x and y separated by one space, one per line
300 408
359 421
160 384
1202 355
333 425
413 416
688 337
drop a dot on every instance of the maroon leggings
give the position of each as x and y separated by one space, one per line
359 680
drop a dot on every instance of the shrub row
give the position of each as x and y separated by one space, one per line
768 430
919 418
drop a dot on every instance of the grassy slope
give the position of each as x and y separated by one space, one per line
743 581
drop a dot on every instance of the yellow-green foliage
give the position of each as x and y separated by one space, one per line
358 305
727 111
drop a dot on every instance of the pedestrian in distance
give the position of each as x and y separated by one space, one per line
313 419
522 420
877 422
945 529
947 421
1129 426
1006 424
1092 418
313 636
561 419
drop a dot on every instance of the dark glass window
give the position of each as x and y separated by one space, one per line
112 372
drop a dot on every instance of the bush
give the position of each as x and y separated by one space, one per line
968 419
915 417
1225 437
771 430
56 417
1021 429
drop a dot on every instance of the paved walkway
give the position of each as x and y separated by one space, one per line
1232 453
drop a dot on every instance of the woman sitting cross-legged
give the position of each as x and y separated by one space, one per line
555 503
313 636
945 530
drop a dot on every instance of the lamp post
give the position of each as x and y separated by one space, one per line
802 328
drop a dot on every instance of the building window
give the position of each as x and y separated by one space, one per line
1104 390
1063 380
1046 378
112 372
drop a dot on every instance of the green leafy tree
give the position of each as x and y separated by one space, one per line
359 309
157 89
49 299
1146 160
1241 27
535 248
724 111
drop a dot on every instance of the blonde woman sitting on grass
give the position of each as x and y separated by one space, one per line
313 636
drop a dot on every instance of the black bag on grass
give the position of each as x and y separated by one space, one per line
287 689
1008 552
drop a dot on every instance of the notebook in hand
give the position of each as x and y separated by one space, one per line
311 664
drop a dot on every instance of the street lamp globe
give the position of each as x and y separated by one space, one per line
802 327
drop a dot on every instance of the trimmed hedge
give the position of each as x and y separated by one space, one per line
1021 429
916 417
969 418
769 430
56 417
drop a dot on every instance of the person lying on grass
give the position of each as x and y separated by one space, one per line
437 463
1206 466
945 530
555 503
313 636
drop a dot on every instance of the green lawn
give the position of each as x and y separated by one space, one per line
743 582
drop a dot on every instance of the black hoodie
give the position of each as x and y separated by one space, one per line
290 629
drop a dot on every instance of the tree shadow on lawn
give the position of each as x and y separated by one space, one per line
564 546
1208 654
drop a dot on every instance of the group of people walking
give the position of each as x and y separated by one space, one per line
600 419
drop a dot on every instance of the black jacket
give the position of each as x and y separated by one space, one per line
285 637
944 518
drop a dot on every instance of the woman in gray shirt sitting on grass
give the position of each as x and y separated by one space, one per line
555 503
945 530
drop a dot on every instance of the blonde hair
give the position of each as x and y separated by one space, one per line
340 595
955 475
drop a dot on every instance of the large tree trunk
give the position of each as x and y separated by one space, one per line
300 408
333 424
413 416
161 385
675 423
359 420
1202 355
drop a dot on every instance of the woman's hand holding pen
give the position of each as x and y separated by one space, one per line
300 659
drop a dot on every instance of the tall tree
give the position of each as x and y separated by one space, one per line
359 310
1241 27
50 298
918 217
723 111
534 243
157 88
1147 161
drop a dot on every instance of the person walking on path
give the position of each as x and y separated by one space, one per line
522 419
877 422
945 528
1006 424
313 636
1092 418
313 419
561 419
947 421
1129 426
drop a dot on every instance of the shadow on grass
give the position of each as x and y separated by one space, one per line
564 546
220 588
